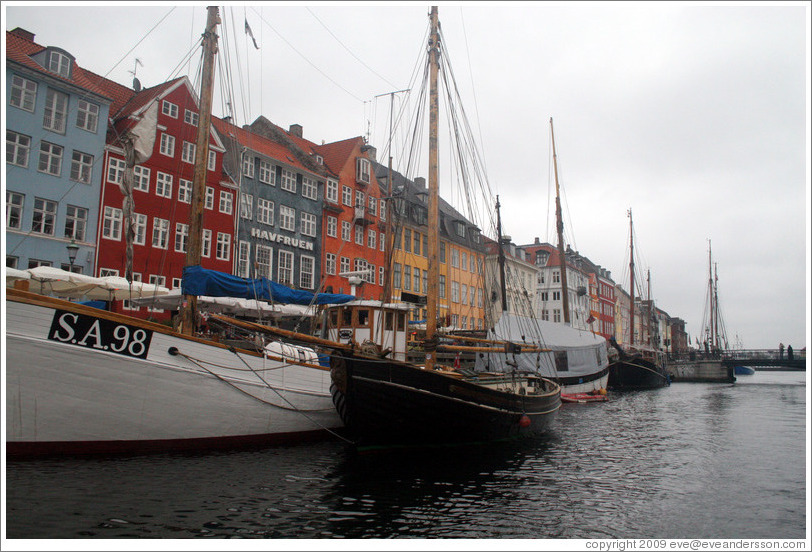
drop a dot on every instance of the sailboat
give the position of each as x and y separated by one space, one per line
384 400
707 365
82 380
579 358
637 365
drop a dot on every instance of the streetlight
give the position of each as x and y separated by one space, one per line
73 249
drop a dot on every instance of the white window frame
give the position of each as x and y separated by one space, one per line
307 222
212 160
169 109
264 261
112 223
14 210
140 228
56 111
18 148
163 184
226 202
205 245
181 237
331 191
141 178
81 168
76 222
209 204
346 196
362 170
332 226
160 233
244 259
23 93
185 191
265 211
309 188
45 210
359 234
87 116
344 265
188 153
372 238
191 117
248 165
115 170
307 269
223 252
52 156
247 206
167 145
330 264
287 218
288 181
265 172
346 231
284 268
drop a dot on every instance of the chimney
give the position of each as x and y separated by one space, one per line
420 181
371 151
537 242
296 130
22 33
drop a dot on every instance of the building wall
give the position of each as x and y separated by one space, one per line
27 245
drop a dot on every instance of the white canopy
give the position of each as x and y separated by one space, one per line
49 280
225 305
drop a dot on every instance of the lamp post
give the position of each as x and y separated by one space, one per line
73 249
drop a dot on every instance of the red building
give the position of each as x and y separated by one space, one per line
162 192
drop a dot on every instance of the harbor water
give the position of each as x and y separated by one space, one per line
688 461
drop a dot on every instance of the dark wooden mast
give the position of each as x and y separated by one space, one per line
501 256
559 224
194 246
631 279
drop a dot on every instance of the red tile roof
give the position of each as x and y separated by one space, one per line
336 154
258 143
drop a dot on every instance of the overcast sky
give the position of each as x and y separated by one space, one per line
694 116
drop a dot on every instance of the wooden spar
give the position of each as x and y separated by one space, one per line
464 349
631 279
254 327
194 245
476 339
434 194
501 258
559 224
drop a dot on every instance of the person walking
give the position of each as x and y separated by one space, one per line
789 352
780 351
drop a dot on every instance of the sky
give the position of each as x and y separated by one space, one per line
694 116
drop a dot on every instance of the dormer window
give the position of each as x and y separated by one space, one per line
459 228
362 170
59 63
319 159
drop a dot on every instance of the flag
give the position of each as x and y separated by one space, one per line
249 33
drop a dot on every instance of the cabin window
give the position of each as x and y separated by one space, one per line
389 320
401 321
346 318
363 317
561 362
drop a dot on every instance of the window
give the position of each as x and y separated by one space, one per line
44 216
110 272
455 257
17 148
308 224
345 265
416 286
330 263
23 93
163 185
167 145
34 263
226 202
209 197
191 117
383 241
248 166
306 268
75 223
331 191
265 172
212 160
442 252
346 196
14 210
264 261
360 199
141 180
425 245
50 158
244 259
188 154
459 228
407 240
87 116
371 239
381 275
264 211
556 277
545 296
373 206
407 277
181 236
140 227
177 283
442 286
464 259
464 294
56 111
115 170
81 168
345 230
425 281
556 315
287 218
223 246
417 243
556 296
288 181
362 170
455 292
359 234
247 206
60 64
205 246
332 227
168 108
160 233
185 191
111 226
396 275
309 188
285 270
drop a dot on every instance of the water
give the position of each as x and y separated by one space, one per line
688 461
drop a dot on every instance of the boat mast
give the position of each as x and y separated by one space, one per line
650 309
559 224
194 246
631 279
712 337
501 257
434 194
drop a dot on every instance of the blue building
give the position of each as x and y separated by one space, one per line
56 122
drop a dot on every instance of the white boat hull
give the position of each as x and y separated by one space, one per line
62 397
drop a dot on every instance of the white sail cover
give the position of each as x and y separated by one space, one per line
580 352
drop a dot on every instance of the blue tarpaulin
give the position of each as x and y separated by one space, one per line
202 281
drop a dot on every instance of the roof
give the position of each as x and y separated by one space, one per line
20 48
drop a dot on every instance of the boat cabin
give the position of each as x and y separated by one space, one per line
365 320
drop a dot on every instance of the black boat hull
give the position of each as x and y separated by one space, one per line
637 373
387 402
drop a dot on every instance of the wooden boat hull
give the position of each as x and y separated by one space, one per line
69 392
637 374
384 401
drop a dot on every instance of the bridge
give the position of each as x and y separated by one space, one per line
767 358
